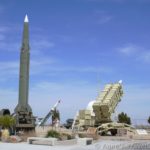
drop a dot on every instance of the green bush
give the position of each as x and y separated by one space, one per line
7 121
123 118
60 136
53 133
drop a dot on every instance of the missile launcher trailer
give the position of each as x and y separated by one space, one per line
100 111
85 118
115 128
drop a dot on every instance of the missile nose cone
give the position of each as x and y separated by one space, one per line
26 19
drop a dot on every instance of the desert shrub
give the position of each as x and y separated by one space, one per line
53 133
81 135
60 136
65 136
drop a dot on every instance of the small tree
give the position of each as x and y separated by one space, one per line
123 118
7 121
148 120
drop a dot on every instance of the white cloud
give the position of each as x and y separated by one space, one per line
129 49
9 43
37 46
135 100
145 56
10 69
74 96
40 62
6 42
4 29
81 69
11 47
138 53
41 44
46 66
104 19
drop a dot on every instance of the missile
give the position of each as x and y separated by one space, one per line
23 105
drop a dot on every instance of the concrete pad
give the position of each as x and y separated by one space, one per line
84 141
41 141
99 145
67 142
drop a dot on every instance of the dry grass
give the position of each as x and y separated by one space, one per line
25 135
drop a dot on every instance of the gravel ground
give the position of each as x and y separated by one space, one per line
101 145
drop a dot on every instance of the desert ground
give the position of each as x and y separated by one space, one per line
100 145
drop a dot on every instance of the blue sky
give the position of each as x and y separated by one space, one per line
77 46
